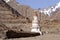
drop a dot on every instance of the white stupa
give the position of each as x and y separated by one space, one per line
35 24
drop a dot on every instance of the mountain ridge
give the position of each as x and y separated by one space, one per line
51 9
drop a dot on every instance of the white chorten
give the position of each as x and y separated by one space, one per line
35 24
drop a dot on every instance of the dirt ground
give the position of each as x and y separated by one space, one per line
40 37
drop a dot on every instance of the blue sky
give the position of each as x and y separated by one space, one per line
35 4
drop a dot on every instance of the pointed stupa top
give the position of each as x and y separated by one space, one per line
35 13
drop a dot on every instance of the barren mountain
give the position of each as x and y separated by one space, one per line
22 9
11 18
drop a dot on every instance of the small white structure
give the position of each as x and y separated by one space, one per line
35 24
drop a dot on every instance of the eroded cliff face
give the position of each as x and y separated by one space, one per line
12 19
24 10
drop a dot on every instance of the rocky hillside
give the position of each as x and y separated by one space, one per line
24 10
44 19
11 18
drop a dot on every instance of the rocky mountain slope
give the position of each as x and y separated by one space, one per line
11 18
47 17
22 9
51 9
